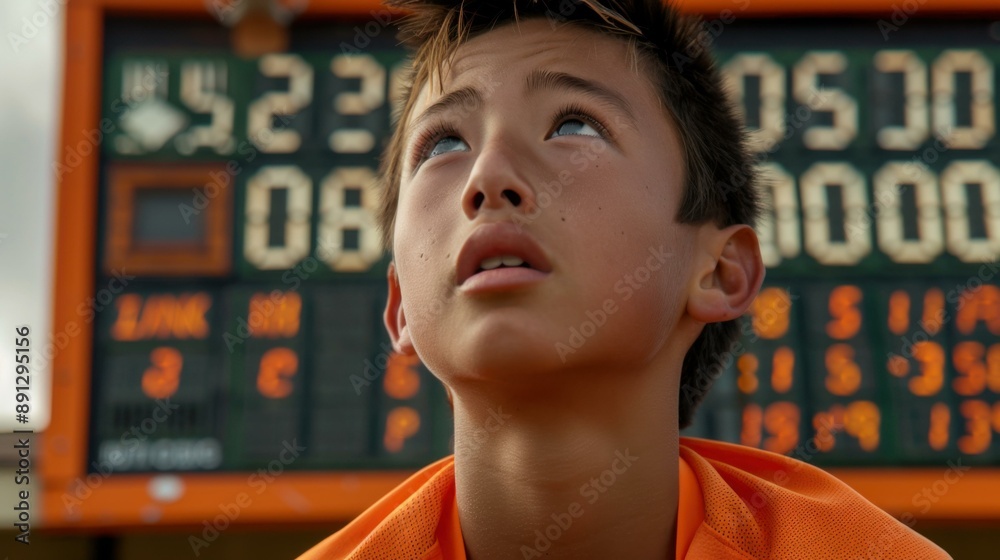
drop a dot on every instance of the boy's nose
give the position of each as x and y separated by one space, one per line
494 183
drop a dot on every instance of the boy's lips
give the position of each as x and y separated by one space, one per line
494 240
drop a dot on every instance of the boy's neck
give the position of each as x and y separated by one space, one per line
575 470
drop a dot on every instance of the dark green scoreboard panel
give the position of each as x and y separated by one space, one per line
246 285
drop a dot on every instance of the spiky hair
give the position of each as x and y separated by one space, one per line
669 48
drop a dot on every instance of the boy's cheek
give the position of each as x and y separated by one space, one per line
426 214
425 254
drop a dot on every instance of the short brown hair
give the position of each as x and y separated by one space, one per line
720 185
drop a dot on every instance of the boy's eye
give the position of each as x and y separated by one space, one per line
570 121
576 126
445 145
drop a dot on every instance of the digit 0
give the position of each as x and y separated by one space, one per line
778 228
771 77
819 242
261 189
981 130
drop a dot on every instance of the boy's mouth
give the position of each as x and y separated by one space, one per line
504 261
504 254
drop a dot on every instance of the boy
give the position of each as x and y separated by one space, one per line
576 168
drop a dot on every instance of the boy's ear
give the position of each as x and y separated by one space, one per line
728 273
395 318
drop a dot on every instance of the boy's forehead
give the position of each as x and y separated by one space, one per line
533 38
493 58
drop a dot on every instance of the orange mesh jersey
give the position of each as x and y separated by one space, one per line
735 502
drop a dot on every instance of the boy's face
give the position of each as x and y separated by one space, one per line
600 207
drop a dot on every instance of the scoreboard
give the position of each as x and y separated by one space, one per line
239 193
876 339
216 222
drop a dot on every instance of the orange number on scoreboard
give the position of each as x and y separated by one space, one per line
401 378
827 424
782 421
977 427
782 366
750 434
933 317
770 313
980 304
859 419
968 360
843 373
277 366
160 380
402 423
937 436
993 368
862 420
747 366
975 373
899 312
845 316
931 357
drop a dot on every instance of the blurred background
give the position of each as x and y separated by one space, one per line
189 261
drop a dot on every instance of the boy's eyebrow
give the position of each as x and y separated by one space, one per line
467 96
546 79
537 80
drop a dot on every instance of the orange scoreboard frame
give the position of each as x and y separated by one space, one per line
75 497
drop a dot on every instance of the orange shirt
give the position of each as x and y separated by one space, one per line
735 502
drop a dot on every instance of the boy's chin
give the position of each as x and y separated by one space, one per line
522 354
516 343
537 360
513 353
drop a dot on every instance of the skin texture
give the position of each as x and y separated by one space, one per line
535 426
